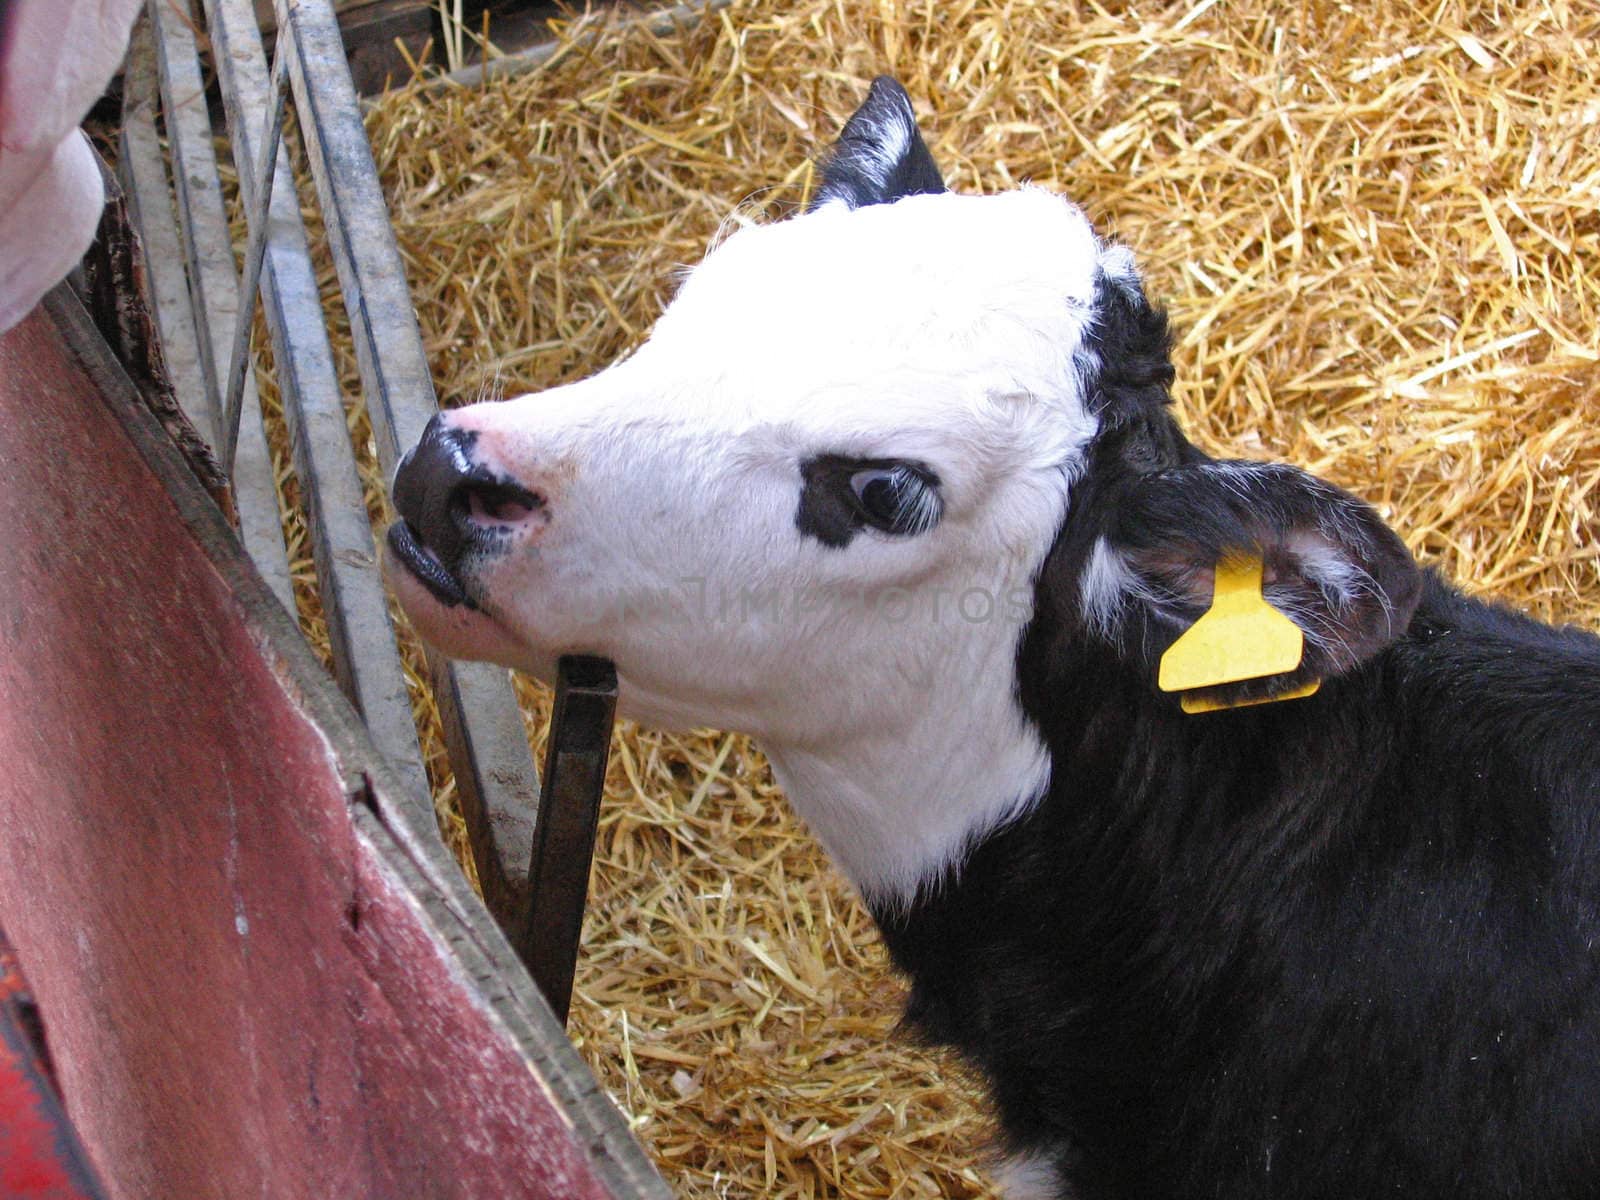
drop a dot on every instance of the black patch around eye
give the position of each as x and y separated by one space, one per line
840 495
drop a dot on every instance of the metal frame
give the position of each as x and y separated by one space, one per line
173 262
569 810
488 749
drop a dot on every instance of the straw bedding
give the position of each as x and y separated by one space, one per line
1376 227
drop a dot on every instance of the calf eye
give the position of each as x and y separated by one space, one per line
841 495
896 499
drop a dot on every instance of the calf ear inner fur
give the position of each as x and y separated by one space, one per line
1329 563
880 156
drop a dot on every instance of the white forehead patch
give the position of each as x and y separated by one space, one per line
998 288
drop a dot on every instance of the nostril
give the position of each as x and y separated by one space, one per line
484 507
485 502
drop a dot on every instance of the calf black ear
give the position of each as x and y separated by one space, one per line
1329 562
880 156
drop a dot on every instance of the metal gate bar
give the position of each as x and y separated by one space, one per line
365 659
144 178
489 753
569 812
494 770
255 253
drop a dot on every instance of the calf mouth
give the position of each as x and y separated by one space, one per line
408 549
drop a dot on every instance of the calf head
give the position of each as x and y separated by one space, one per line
824 501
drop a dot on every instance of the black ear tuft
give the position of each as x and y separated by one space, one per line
1132 347
880 156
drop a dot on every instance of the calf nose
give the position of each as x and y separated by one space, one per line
449 501
428 489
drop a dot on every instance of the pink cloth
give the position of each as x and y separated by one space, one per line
56 57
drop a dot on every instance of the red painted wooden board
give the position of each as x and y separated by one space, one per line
258 971
40 1155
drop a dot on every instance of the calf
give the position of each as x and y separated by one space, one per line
894 486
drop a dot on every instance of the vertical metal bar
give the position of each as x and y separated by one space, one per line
482 724
256 217
569 812
361 636
489 756
144 175
144 178
202 220
389 351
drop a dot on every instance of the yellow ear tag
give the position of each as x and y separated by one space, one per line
1240 637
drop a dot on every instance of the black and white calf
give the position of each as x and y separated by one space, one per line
894 487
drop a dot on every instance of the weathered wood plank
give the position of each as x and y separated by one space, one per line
476 701
503 991
258 979
366 662
144 176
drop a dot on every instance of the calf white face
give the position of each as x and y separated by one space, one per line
811 507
